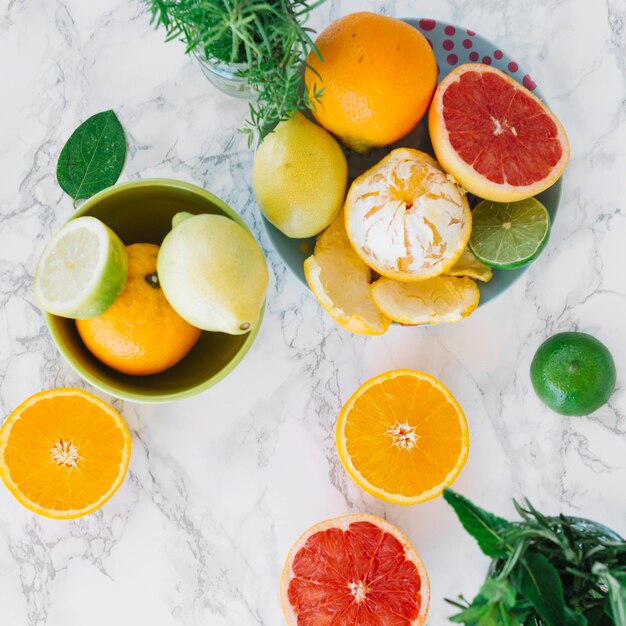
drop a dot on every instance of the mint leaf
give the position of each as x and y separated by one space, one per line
539 583
93 157
616 585
486 528
499 591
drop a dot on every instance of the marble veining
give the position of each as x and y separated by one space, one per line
220 485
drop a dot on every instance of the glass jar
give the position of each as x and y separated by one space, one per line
225 77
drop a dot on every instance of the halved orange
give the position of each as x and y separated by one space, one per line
64 453
355 570
403 437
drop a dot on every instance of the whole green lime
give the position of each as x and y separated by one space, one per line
573 373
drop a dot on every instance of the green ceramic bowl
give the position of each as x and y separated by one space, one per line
141 212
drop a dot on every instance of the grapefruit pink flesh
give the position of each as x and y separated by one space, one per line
357 575
498 139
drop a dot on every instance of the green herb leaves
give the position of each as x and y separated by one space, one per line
546 571
93 157
486 528
268 41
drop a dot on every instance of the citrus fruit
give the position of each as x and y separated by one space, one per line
507 235
500 141
436 300
341 282
403 437
573 373
468 265
356 570
377 76
64 453
140 333
81 270
213 273
405 218
299 177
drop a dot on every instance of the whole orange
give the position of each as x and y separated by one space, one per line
377 76
140 333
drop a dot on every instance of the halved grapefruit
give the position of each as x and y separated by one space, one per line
500 141
356 570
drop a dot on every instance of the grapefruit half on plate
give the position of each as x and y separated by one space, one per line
499 140
356 570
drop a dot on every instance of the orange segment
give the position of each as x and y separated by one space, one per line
403 437
64 453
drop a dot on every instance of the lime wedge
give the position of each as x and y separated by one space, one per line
510 234
81 271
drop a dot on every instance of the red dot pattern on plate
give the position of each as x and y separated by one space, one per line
448 44
474 56
427 24
529 83
498 54
430 43
487 60
471 33
467 43
513 67
453 59
450 30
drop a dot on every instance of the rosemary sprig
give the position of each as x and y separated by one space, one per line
268 38
545 571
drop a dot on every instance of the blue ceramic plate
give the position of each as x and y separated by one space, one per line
452 46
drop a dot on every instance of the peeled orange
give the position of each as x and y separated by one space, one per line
376 75
356 570
64 453
402 437
406 218
499 140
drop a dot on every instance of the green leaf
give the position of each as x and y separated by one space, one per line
616 585
485 527
539 583
499 591
93 157
486 615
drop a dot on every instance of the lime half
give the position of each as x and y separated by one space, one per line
81 271
507 235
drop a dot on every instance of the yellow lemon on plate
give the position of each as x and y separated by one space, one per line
299 177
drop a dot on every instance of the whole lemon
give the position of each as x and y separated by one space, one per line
299 177
213 273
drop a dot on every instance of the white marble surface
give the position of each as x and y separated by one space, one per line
221 485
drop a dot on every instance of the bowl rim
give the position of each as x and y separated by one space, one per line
165 397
